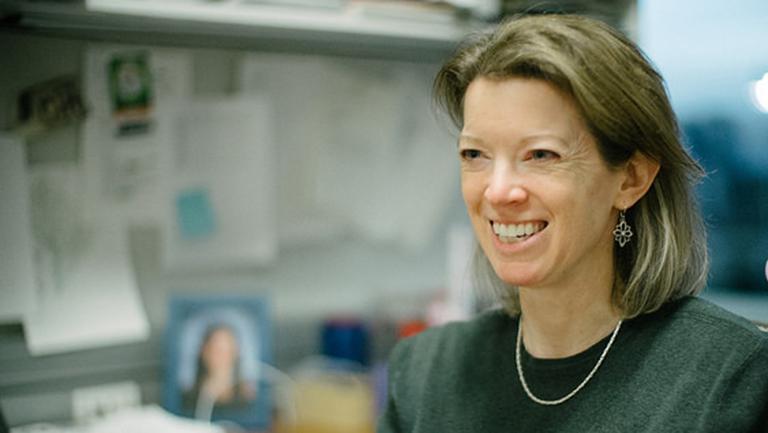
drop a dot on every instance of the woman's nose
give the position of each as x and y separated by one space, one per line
505 187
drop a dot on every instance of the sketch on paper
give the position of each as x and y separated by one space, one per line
17 275
86 290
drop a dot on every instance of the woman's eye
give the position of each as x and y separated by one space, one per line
542 155
470 154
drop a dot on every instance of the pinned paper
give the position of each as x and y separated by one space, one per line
221 205
133 94
195 214
17 278
87 293
377 164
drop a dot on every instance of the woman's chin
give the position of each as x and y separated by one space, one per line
518 278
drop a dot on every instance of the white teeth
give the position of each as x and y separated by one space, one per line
516 232
529 229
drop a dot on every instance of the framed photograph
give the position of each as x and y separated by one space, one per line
216 349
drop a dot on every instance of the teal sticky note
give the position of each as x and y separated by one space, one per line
194 214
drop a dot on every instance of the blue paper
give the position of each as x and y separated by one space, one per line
195 216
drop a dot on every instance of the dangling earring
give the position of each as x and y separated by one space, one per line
623 232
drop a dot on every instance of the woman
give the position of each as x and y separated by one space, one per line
580 195
218 390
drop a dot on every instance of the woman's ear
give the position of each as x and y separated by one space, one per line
639 173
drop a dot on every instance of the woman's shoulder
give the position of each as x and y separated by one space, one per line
453 344
699 353
459 335
446 360
697 325
714 319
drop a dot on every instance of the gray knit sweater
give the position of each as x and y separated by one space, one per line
689 367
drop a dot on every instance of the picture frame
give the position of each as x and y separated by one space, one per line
217 350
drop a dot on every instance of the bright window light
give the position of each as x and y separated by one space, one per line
760 93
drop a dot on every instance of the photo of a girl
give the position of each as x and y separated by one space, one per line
216 350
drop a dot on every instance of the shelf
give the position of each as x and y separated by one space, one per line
350 30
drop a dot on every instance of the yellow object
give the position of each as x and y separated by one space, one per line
331 403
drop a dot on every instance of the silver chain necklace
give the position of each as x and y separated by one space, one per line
578 388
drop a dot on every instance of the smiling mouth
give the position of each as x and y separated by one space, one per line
512 233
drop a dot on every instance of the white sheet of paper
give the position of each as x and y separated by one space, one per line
301 131
17 274
87 294
374 161
125 174
388 167
145 419
221 209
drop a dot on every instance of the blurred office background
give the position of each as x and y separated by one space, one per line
713 58
290 153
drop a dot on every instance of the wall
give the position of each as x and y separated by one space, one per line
341 273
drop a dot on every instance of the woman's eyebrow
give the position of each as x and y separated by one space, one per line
544 136
469 138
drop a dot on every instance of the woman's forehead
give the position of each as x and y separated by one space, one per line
531 107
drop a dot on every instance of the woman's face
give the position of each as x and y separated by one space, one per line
540 198
220 350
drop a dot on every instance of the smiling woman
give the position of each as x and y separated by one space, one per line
580 195
539 167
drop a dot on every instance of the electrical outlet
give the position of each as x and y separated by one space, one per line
96 401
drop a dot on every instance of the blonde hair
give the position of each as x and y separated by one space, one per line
626 108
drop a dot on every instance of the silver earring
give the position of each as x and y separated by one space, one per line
623 232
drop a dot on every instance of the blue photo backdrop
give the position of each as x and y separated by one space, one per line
217 349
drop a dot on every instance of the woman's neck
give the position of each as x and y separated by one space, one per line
561 322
